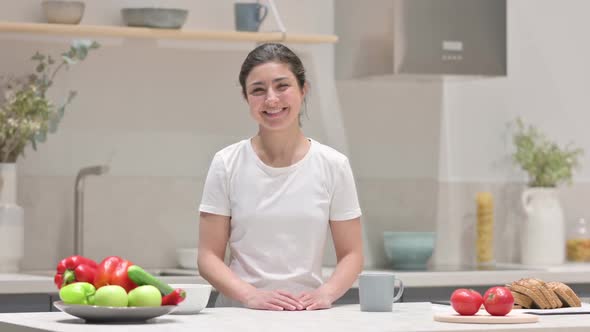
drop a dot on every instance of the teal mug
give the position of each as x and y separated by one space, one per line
249 16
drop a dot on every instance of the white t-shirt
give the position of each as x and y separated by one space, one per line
279 216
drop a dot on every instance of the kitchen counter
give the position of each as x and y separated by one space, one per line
42 281
405 317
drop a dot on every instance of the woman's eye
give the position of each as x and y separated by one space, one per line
257 91
283 86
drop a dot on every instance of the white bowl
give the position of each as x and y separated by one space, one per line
197 297
63 12
186 258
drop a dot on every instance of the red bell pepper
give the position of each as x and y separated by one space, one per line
73 269
113 271
174 298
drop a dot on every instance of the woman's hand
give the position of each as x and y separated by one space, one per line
273 300
316 299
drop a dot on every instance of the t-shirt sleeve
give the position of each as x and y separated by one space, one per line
345 203
215 192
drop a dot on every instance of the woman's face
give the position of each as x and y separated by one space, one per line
274 96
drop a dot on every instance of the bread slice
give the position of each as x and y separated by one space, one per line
565 293
551 297
522 300
522 286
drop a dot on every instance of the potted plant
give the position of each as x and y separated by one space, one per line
27 115
547 166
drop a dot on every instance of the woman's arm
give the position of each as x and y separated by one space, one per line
349 254
213 237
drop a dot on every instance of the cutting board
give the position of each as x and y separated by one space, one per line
481 318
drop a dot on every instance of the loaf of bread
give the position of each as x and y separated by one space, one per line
535 293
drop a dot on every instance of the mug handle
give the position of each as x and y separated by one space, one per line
400 291
264 12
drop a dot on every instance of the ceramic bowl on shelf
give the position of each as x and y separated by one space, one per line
63 12
163 18
186 258
408 250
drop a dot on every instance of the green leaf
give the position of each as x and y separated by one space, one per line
69 60
82 53
38 57
40 137
83 43
71 95
54 121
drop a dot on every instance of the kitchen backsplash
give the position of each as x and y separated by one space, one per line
146 218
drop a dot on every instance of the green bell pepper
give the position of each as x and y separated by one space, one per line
78 293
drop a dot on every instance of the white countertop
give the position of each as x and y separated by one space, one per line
568 273
415 316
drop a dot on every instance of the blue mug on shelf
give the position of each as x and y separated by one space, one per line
249 16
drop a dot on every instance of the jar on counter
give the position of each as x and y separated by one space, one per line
484 244
578 242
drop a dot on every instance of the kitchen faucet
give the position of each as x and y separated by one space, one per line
79 204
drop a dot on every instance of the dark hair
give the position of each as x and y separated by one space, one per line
272 52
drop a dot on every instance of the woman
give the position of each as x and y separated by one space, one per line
273 197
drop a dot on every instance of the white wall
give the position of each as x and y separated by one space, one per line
547 85
393 131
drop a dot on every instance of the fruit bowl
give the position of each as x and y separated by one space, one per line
99 314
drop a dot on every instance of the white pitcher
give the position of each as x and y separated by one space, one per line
543 234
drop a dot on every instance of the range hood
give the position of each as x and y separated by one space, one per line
420 37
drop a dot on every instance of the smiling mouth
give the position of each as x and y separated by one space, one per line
275 113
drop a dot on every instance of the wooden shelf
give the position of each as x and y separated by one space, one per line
149 33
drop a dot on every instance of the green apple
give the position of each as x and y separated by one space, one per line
77 293
111 296
145 296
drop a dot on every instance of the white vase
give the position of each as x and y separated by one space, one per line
543 234
11 221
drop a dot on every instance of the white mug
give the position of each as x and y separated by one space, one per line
377 291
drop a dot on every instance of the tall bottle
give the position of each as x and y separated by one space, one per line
485 229
578 242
